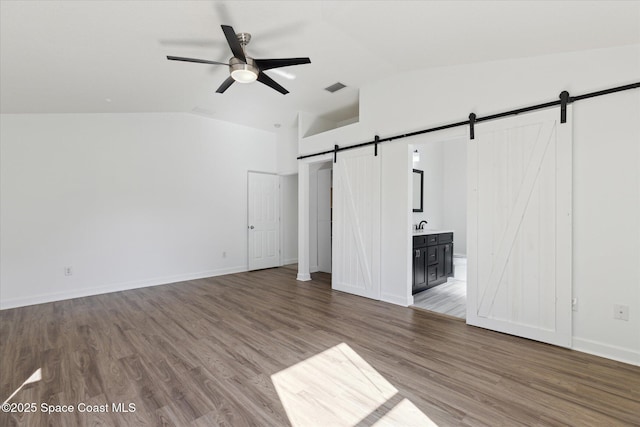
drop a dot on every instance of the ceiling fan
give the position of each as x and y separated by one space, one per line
243 68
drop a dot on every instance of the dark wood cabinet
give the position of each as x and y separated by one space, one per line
445 261
432 260
419 268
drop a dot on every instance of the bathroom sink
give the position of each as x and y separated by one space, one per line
429 231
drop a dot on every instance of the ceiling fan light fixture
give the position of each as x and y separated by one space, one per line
244 76
243 72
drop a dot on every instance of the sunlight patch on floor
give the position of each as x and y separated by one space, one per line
339 388
35 377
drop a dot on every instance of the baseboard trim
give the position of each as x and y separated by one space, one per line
397 300
607 351
290 261
303 277
116 287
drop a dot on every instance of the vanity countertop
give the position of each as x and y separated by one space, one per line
428 231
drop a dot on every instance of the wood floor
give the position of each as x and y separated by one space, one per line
262 349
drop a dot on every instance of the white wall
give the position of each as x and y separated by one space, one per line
432 164
444 163
127 200
606 224
312 124
454 194
606 138
314 217
289 223
287 166
287 150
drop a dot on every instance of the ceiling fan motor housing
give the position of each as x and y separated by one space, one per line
243 72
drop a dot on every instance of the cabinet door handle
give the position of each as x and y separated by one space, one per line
417 253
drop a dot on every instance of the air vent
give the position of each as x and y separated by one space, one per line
335 87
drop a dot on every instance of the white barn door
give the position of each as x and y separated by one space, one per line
519 227
356 223
264 220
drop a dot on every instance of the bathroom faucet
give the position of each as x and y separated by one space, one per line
421 225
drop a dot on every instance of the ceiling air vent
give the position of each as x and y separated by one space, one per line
335 87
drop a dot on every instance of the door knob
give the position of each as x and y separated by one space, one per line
251 227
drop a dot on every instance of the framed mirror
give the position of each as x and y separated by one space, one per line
418 181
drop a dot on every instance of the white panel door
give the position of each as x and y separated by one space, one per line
264 220
356 223
519 225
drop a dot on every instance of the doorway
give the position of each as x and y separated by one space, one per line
325 213
443 164
289 222
320 217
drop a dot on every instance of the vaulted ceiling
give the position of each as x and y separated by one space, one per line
110 56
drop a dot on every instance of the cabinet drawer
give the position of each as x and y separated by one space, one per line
445 238
432 274
419 241
432 255
432 239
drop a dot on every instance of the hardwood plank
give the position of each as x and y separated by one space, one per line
205 352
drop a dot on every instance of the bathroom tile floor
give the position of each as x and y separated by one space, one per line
449 298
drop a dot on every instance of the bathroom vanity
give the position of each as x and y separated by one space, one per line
432 258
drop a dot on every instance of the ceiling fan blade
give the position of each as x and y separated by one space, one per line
225 85
282 73
201 61
267 64
263 78
234 44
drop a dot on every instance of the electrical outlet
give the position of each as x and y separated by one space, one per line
68 271
574 304
621 312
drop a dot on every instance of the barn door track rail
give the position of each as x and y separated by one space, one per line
564 100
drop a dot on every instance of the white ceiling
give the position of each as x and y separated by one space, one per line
109 56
